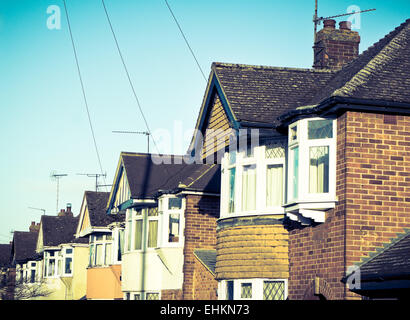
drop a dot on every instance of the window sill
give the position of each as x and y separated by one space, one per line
268 211
307 212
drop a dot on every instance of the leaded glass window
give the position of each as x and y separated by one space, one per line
246 290
320 129
152 296
273 290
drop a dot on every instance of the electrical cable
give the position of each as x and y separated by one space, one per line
128 75
83 91
186 41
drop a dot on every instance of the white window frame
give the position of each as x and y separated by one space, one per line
57 265
64 256
163 227
304 199
131 295
103 242
116 236
257 288
132 215
259 159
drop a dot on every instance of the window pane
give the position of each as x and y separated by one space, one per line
129 227
33 276
249 188
319 169
274 185
232 157
152 233
320 129
68 265
152 212
229 290
173 227
294 133
231 204
273 290
59 267
120 244
108 247
51 267
99 254
92 255
174 203
295 177
152 296
138 235
246 290
68 251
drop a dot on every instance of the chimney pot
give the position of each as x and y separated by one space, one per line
329 23
345 25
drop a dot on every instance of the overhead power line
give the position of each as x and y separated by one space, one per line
128 75
186 40
83 89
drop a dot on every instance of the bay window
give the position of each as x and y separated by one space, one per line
142 229
172 220
312 167
68 261
100 249
253 289
253 180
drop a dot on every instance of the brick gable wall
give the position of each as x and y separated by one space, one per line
200 233
204 283
373 189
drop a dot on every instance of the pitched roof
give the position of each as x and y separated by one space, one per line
24 245
261 93
146 177
207 257
97 205
391 261
59 229
380 72
5 255
264 94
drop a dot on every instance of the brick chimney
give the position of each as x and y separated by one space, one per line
335 47
34 227
68 211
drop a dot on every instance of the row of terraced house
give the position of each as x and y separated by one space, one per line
298 188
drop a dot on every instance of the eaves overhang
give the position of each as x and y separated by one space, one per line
336 105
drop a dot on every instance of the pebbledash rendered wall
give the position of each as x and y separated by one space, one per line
373 190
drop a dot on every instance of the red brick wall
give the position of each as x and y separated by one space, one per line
171 294
373 188
201 214
204 283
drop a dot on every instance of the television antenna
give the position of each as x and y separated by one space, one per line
57 177
137 132
44 210
96 176
317 20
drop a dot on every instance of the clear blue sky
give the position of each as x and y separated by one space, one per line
44 125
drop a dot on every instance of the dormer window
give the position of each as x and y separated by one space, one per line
312 167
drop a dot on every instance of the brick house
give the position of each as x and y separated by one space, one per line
171 209
321 175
